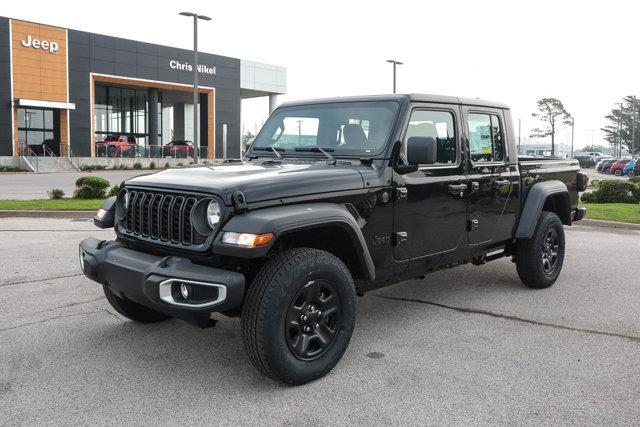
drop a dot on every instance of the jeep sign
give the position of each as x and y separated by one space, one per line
52 47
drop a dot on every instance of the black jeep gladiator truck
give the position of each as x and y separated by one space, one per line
334 198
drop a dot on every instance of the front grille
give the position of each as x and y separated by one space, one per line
161 217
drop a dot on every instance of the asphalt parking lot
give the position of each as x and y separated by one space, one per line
469 345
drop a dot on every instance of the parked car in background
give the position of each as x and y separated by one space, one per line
585 161
596 156
628 169
178 148
618 166
635 171
606 166
117 146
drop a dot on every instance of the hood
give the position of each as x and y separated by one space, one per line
258 182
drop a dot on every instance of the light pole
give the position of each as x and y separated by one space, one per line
395 63
195 17
619 150
573 125
633 127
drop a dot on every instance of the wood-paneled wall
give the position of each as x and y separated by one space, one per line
38 73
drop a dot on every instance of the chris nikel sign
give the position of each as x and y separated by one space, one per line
51 47
185 66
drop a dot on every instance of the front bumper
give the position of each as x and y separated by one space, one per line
147 280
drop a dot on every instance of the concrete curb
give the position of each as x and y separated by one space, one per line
608 224
47 214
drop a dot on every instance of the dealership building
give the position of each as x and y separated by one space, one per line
75 88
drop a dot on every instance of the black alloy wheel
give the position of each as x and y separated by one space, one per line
313 319
550 249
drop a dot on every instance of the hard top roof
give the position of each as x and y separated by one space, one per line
416 97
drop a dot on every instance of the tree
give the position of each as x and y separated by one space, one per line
247 136
623 135
593 147
553 114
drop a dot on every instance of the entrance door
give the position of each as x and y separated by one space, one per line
39 128
431 220
491 181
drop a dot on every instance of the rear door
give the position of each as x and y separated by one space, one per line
430 219
491 212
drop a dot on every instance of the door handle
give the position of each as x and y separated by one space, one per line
499 183
457 189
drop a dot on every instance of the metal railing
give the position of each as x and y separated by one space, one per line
151 152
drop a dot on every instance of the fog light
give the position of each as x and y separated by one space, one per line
185 291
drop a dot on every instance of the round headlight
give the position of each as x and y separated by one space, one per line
214 212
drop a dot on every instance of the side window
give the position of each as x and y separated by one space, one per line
440 126
486 142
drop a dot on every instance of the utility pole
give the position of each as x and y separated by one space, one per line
394 62
195 16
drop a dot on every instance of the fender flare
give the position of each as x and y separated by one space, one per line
282 220
535 200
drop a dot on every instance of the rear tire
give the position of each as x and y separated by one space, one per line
539 259
298 315
132 310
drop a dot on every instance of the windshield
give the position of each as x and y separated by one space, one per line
343 128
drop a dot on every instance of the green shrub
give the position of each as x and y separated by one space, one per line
123 166
56 194
152 165
113 191
89 168
588 197
594 183
137 165
166 165
635 179
610 191
9 169
635 192
91 187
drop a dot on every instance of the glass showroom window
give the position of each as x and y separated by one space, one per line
35 125
123 111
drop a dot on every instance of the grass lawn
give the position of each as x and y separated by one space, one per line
51 205
623 212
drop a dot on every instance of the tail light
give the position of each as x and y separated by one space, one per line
583 180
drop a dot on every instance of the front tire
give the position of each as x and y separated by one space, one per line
539 259
298 315
132 310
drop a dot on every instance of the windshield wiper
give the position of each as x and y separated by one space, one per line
270 148
331 160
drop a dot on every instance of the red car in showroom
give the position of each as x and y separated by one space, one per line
178 148
117 146
618 167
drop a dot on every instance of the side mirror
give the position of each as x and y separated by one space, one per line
421 150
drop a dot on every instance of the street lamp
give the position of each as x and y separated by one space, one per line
195 17
394 62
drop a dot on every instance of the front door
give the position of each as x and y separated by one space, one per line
430 217
491 180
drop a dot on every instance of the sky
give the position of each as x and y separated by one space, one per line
516 52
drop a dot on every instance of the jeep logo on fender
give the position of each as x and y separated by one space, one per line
52 47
